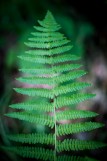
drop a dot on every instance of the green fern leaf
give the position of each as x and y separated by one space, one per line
77 127
49 26
74 114
50 20
35 92
46 29
49 60
33 138
74 99
33 118
69 76
75 145
60 50
32 152
70 88
44 39
37 106
58 69
65 68
74 158
47 35
37 71
48 45
50 93
36 80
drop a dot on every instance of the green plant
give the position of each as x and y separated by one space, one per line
51 64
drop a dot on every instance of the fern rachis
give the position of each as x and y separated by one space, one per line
57 68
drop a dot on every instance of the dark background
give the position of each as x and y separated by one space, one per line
84 22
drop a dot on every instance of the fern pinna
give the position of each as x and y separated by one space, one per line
51 63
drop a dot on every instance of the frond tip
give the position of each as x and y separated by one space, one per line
50 22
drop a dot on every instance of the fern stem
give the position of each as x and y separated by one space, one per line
54 104
55 132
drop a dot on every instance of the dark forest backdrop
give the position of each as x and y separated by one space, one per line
84 22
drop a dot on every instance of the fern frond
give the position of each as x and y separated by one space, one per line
51 65
46 45
74 114
58 90
50 20
75 145
64 68
69 76
49 25
64 58
35 59
33 118
59 50
74 99
33 138
54 51
50 93
49 60
46 35
74 158
37 106
36 80
44 39
57 69
46 23
35 92
42 29
46 80
66 129
32 152
36 71
70 88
